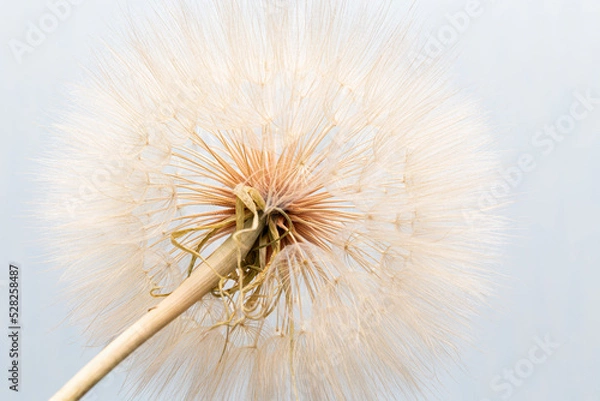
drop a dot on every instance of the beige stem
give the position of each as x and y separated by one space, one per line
223 261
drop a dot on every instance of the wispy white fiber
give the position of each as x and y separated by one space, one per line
321 107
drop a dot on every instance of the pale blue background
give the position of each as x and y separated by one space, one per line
523 59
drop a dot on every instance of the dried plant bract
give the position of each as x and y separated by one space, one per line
316 114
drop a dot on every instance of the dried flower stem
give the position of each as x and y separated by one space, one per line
204 278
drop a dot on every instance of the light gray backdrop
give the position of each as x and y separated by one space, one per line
530 62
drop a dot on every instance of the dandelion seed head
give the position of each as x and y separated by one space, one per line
366 163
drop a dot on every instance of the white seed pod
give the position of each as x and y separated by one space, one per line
370 160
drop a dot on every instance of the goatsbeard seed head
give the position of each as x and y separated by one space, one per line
369 167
